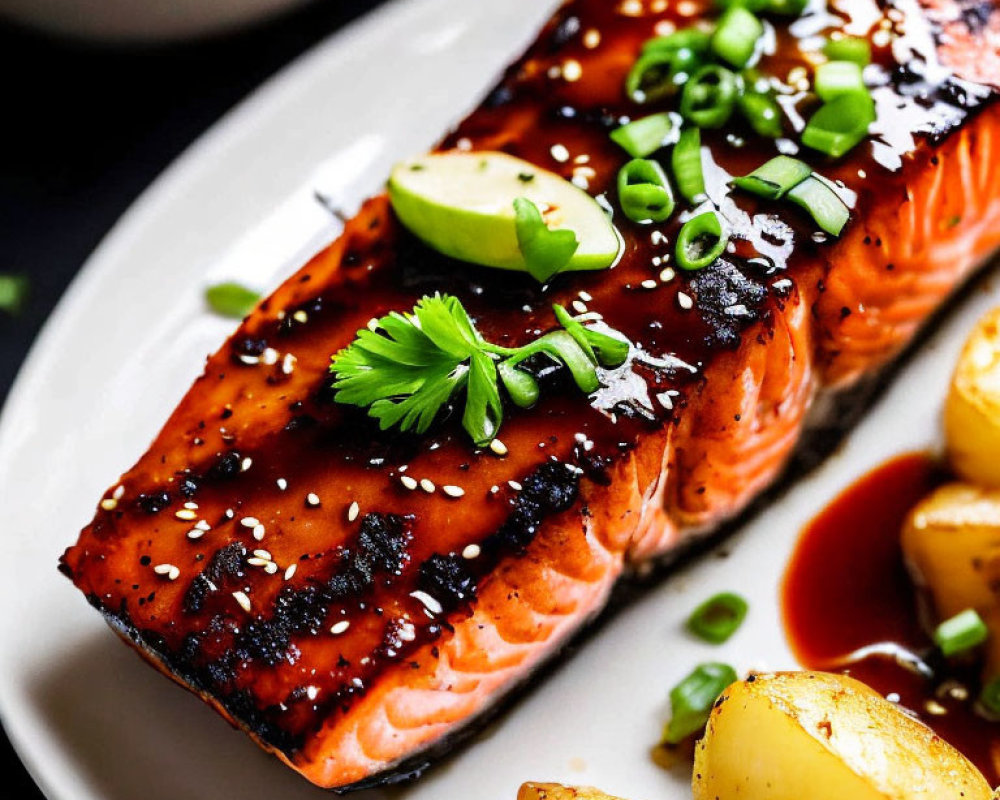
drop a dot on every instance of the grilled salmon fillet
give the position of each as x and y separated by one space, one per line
355 598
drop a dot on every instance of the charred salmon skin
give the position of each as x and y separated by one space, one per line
355 598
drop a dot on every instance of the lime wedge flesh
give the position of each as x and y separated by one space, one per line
462 204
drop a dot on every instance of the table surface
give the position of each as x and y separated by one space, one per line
85 130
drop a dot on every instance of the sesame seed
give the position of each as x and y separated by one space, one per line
288 364
427 485
169 571
554 71
185 514
249 522
893 697
290 571
312 499
195 533
352 511
498 447
269 356
667 275
265 554
453 491
585 296
862 174
340 627
630 8
312 692
471 551
246 464
258 532
243 600
202 525
572 70
649 283
249 360
934 708
579 307
229 513
429 602
685 301
580 438
658 237
300 316
407 633
258 562
119 492
109 504
271 568
408 482
372 324
560 153
191 505
592 38
282 484
514 485
494 489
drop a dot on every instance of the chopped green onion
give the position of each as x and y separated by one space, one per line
718 618
692 699
835 78
701 240
600 347
686 163
823 204
644 191
789 8
651 77
13 293
849 48
709 96
645 136
773 179
840 124
960 633
687 40
231 299
989 697
735 38
762 112
545 251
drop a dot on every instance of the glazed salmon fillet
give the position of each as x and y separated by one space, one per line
354 599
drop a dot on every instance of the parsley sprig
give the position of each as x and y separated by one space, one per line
405 369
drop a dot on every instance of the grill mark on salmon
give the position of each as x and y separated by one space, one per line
375 640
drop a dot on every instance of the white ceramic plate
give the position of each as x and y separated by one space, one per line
90 720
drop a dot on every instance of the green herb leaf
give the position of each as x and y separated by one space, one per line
231 299
718 618
411 365
13 293
545 251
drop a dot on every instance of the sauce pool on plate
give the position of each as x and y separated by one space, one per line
849 607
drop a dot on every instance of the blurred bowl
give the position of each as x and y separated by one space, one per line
140 20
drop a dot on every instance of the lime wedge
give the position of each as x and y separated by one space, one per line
462 204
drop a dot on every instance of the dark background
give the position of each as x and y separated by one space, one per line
83 130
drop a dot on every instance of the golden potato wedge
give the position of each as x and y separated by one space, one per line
951 543
557 791
972 410
798 735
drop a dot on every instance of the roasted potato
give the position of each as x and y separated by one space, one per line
557 791
951 543
972 410
817 736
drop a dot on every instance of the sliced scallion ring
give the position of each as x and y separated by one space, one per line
692 699
644 191
775 178
839 124
835 78
231 299
643 137
718 618
762 112
652 77
962 632
686 163
735 37
822 203
989 697
701 241
687 40
849 48
709 96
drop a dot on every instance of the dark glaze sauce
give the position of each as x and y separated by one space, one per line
846 589
264 671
